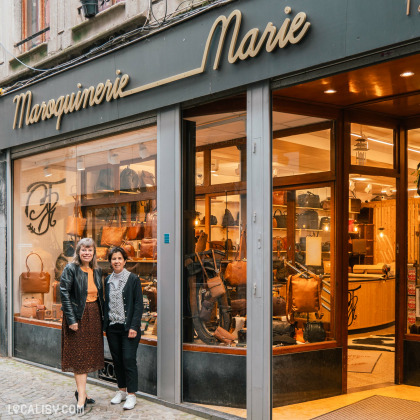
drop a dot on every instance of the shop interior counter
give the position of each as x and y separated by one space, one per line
373 303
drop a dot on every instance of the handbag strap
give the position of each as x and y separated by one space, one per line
26 262
214 260
277 210
202 266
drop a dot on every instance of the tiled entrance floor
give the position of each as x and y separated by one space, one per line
311 409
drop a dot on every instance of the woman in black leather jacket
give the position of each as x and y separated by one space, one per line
81 289
122 321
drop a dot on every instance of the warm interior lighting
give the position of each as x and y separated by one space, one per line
360 178
381 232
329 91
407 74
356 229
361 148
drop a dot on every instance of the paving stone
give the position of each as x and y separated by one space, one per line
29 392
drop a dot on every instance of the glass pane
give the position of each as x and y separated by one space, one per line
372 146
413 220
296 140
215 253
96 190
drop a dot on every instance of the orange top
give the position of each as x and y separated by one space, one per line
92 294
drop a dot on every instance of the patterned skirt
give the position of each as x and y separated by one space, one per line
82 351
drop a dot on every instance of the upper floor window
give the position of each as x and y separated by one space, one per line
105 4
35 23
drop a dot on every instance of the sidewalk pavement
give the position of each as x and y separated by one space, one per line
30 392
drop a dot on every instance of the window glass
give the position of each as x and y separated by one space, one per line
104 189
413 248
35 18
215 194
372 146
296 140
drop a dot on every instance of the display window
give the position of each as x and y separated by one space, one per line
413 233
372 146
215 226
103 189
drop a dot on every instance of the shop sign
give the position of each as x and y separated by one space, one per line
292 31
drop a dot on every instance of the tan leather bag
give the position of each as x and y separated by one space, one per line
150 230
101 252
34 281
112 235
76 223
215 284
201 243
303 294
29 307
279 198
136 231
128 247
148 248
224 336
235 273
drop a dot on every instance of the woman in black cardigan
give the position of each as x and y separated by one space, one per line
122 321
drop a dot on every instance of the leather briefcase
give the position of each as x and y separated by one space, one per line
224 336
309 200
33 281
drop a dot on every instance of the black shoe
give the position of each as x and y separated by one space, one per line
88 400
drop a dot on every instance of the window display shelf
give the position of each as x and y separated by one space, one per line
302 208
298 230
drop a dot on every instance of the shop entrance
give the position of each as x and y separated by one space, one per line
371 281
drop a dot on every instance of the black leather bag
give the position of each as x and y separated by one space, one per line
314 332
308 220
326 246
284 328
308 200
228 219
283 339
324 222
68 248
129 180
105 181
281 218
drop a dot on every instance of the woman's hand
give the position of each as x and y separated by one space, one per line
74 327
132 333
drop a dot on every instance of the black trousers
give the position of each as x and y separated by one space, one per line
124 352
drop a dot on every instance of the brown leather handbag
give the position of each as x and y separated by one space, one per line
224 336
29 307
235 273
201 243
303 294
148 248
101 252
34 281
279 198
128 247
136 231
215 284
76 223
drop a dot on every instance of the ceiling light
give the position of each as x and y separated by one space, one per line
381 232
361 148
329 91
143 151
407 74
113 158
47 171
80 163
360 178
368 189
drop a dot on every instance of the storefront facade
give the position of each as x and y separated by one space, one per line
276 134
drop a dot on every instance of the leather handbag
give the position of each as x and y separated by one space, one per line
135 231
284 328
326 204
314 332
235 273
151 293
29 306
279 198
128 247
214 284
112 235
303 294
33 281
207 306
325 223
224 336
238 307
308 220
101 252
281 218
129 180
279 306
228 219
242 338
40 312
201 243
308 200
150 230
274 222
105 181
68 248
222 245
148 248
75 224
147 179
279 243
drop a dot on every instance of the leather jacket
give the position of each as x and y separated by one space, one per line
133 304
73 291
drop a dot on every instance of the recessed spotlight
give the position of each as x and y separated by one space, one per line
407 74
330 91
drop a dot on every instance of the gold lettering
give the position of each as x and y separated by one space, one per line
124 82
99 93
22 100
297 23
34 113
250 37
50 108
59 109
43 111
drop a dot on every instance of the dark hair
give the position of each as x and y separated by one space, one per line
86 242
116 249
